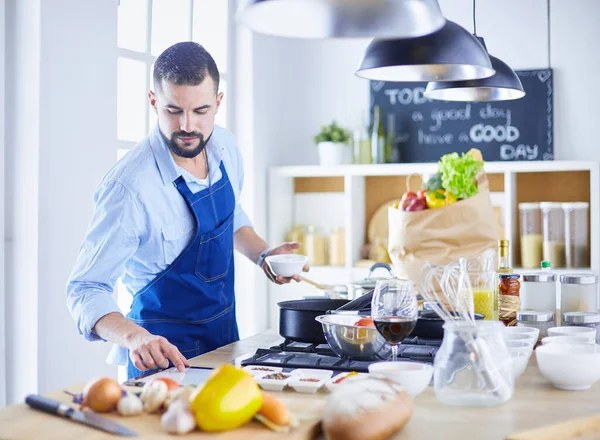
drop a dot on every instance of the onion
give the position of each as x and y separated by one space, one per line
101 395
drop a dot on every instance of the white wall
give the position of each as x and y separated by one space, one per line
2 234
61 133
22 182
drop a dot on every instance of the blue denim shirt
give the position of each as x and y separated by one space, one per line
141 223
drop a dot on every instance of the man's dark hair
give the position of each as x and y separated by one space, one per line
185 63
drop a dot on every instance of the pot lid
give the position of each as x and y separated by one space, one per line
371 281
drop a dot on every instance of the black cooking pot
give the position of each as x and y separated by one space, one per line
430 325
297 318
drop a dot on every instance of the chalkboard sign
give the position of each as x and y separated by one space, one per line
426 129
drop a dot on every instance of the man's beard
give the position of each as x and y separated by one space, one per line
183 151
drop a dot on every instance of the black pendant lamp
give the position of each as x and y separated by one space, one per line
450 54
342 18
504 85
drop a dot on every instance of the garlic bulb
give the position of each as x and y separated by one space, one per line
154 395
181 394
178 420
130 405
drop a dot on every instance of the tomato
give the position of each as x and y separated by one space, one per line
365 322
171 384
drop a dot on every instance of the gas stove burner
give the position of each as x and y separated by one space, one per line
303 347
290 354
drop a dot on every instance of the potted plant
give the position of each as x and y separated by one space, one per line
331 142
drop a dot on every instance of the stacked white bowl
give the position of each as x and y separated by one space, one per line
569 357
520 342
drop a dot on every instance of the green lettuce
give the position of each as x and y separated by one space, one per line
458 174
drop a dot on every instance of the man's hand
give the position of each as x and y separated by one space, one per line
285 248
148 351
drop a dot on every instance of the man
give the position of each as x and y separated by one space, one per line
167 220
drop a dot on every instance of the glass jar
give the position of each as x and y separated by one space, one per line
538 292
578 293
316 247
583 319
337 248
473 367
554 233
576 234
540 319
531 235
296 233
509 302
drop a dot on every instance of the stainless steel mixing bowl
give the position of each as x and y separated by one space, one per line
353 342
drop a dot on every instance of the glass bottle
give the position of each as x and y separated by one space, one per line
362 142
391 151
377 137
503 268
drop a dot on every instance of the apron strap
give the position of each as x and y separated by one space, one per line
183 188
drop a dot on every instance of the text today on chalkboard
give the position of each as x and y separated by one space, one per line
426 129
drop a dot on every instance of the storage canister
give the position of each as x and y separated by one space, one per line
531 235
583 319
576 234
540 319
579 293
554 233
538 291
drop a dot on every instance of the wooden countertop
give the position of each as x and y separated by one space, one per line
535 403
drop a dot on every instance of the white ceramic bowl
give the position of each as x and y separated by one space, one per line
270 384
529 331
286 265
520 353
586 332
413 376
520 337
569 367
565 340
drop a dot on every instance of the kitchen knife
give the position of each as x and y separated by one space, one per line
38 402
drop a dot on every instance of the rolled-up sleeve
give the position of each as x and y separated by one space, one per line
240 218
112 238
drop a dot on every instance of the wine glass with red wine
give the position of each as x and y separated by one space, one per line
394 310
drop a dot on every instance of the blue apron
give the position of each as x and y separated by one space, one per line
192 302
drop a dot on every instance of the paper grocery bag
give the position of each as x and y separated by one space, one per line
443 235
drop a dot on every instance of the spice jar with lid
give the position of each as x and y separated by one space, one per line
508 298
583 319
538 291
540 319
578 293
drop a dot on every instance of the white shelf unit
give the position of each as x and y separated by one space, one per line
281 199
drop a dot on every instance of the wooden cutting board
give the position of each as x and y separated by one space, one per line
21 422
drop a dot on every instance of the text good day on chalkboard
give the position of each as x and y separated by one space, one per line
426 129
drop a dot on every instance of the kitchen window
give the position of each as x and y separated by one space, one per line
145 29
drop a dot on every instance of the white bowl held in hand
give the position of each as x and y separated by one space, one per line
286 265
586 332
413 376
569 367
566 340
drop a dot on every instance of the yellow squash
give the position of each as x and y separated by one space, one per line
229 399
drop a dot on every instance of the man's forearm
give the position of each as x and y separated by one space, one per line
247 242
114 327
